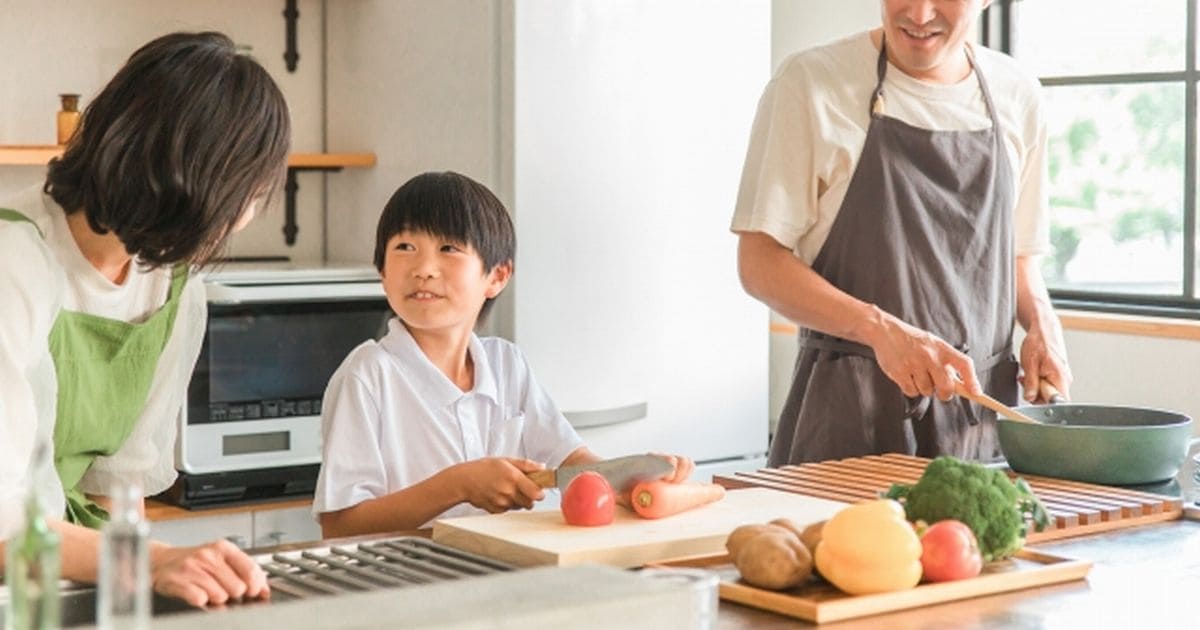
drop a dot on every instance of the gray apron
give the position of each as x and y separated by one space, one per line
924 233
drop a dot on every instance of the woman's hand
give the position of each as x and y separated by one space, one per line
214 573
499 484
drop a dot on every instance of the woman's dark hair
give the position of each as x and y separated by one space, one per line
454 207
170 152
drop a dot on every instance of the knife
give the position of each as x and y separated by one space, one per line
622 473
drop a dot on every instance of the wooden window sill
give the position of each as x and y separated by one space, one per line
1135 325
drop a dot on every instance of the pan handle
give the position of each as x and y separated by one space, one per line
1050 393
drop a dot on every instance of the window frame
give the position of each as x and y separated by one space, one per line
998 24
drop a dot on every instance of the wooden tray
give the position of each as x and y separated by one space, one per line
820 602
1075 508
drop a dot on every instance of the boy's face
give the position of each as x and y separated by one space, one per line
437 285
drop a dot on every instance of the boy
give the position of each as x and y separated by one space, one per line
432 421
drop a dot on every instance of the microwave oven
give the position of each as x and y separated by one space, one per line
274 336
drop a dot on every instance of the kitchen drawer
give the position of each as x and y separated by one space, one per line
237 527
290 525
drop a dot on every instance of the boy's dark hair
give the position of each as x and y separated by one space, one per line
170 151
454 207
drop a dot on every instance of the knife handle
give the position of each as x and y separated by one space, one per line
543 478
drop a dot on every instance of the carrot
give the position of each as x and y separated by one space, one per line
656 499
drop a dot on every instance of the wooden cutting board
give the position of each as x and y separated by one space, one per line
542 538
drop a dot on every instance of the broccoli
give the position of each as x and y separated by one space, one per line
983 498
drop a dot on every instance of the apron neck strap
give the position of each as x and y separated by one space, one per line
881 65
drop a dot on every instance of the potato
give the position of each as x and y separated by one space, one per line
774 560
811 536
739 536
788 524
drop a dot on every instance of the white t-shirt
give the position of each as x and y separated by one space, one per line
391 419
812 120
38 277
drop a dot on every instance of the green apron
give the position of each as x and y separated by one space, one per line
104 368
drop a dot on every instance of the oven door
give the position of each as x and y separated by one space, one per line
254 400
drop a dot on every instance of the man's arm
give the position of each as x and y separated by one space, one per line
916 360
1043 353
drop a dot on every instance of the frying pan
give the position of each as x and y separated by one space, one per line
1109 445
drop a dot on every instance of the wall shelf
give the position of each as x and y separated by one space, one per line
39 155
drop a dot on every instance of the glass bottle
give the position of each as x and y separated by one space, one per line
68 117
124 581
32 559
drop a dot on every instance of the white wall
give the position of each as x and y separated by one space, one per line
1114 369
56 46
800 24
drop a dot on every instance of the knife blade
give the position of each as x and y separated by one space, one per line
622 473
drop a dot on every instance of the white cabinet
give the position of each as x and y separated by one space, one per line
275 527
256 526
237 527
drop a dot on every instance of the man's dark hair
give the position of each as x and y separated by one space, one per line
454 207
170 152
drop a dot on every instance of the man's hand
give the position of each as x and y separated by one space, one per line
921 363
499 484
214 573
1044 359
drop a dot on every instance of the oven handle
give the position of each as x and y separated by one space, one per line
605 417
250 294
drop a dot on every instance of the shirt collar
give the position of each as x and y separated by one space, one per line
433 385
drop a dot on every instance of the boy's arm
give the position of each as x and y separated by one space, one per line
494 484
405 509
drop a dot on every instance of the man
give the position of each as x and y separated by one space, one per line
894 204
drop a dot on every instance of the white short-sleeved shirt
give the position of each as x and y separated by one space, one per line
38 277
812 121
391 419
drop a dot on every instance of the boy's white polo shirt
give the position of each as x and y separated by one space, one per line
391 418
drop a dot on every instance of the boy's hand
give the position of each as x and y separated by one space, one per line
499 484
684 467
206 574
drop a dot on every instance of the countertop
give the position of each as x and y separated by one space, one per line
1141 577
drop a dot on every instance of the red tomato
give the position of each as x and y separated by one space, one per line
588 500
949 551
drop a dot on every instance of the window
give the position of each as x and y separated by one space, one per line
1119 82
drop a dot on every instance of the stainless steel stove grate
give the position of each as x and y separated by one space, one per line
370 566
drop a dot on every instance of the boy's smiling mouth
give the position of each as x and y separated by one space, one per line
423 295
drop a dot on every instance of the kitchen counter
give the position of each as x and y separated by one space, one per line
1141 577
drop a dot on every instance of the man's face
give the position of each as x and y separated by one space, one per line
925 37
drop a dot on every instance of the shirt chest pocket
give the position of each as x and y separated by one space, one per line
505 435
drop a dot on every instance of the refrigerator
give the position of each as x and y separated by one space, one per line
630 122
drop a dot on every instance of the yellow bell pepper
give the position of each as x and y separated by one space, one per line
870 548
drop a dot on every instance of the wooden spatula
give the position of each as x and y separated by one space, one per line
993 404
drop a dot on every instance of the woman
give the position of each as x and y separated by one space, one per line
101 321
